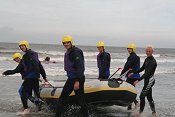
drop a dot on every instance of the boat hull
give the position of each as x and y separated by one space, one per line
96 93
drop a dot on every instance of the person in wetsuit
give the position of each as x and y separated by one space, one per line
74 66
149 66
23 91
133 62
103 61
32 68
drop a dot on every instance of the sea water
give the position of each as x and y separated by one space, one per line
163 90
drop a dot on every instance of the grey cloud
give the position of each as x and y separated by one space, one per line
116 22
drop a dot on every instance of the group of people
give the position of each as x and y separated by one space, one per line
133 77
30 69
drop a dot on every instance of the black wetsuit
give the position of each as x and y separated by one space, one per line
103 62
74 66
33 68
133 62
149 66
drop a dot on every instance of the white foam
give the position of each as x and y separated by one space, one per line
61 53
61 59
54 53
90 54
164 64
54 70
163 70
9 51
165 60
91 71
6 59
112 60
144 55
57 71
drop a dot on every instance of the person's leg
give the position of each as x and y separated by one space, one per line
131 81
147 91
135 101
36 88
81 99
128 80
29 90
142 100
23 97
37 101
151 101
67 89
136 104
29 94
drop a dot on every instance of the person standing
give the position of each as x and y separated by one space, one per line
74 66
133 62
149 66
103 61
32 68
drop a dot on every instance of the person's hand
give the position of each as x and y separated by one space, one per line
76 85
99 78
130 74
46 83
45 80
135 82
4 73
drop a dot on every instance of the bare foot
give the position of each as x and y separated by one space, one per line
26 111
154 114
136 113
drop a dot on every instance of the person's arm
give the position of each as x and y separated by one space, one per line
138 71
42 72
141 69
148 71
126 67
33 57
16 70
78 59
130 62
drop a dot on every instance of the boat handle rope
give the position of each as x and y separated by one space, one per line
115 73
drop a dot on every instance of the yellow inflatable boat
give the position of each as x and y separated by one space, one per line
106 92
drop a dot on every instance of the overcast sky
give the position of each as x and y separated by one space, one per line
116 22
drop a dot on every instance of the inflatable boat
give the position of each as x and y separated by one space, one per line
104 92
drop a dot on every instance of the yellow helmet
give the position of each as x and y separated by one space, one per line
16 55
24 43
100 44
132 46
67 38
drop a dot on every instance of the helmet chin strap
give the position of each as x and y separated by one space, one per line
26 50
